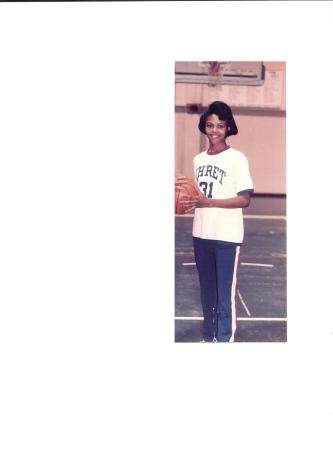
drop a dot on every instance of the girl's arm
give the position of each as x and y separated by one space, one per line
241 201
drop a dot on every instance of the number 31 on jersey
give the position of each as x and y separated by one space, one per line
207 187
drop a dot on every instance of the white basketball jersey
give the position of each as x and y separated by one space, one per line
221 176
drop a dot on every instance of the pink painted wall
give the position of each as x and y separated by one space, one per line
262 135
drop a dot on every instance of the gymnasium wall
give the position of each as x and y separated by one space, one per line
261 136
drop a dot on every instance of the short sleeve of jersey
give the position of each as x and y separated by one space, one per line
243 179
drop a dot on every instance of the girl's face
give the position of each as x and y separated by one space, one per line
216 130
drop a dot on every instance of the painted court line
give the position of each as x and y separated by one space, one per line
242 264
273 256
254 319
244 304
245 216
263 319
256 264
261 217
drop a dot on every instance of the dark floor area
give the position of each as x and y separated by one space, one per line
262 303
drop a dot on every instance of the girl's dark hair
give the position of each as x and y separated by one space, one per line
223 112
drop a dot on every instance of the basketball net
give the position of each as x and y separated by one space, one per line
215 70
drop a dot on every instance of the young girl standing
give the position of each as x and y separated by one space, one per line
225 184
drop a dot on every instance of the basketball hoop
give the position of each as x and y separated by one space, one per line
215 70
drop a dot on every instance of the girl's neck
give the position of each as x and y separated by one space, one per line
213 150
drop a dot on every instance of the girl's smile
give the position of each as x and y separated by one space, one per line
216 132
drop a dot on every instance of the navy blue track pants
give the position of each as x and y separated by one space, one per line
217 264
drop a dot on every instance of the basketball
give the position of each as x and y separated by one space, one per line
188 188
